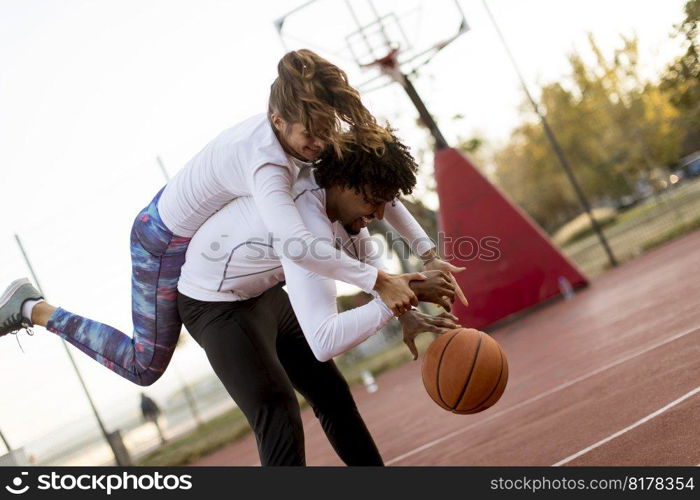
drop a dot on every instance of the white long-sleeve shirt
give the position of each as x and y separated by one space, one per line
226 265
248 160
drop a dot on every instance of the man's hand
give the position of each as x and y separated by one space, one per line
415 322
436 264
394 290
438 288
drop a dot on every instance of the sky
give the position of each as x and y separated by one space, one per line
91 92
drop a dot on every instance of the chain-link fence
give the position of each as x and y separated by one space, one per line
660 217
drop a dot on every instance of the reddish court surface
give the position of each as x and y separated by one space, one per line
580 372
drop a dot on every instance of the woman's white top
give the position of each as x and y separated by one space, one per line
248 160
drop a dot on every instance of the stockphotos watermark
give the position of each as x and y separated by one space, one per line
106 483
462 249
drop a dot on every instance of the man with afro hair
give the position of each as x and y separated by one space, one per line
263 343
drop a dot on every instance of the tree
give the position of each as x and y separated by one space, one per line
612 126
681 81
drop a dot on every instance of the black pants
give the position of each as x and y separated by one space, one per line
259 353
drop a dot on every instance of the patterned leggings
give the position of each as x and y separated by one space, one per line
157 257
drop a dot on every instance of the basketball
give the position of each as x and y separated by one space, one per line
465 371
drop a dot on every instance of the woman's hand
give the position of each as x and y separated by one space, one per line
437 264
395 291
415 322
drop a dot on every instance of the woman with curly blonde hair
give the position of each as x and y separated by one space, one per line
311 104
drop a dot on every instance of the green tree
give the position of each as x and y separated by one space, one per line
681 81
612 126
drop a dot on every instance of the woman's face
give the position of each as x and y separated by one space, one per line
296 140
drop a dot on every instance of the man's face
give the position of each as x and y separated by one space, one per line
296 140
356 210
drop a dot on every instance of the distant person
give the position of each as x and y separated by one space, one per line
263 343
151 413
310 103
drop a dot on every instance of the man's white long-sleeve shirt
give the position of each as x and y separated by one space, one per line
232 257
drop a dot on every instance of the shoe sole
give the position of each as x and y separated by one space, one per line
10 291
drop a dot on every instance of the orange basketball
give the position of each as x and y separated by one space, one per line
465 371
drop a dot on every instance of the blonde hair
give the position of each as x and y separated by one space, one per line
314 92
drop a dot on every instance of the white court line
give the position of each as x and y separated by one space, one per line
558 388
628 428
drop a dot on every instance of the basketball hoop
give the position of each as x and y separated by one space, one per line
388 65
397 37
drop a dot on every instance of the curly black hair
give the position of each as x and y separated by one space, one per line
381 178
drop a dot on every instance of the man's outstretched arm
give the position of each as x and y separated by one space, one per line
329 332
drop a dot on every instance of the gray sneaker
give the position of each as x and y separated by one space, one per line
11 301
